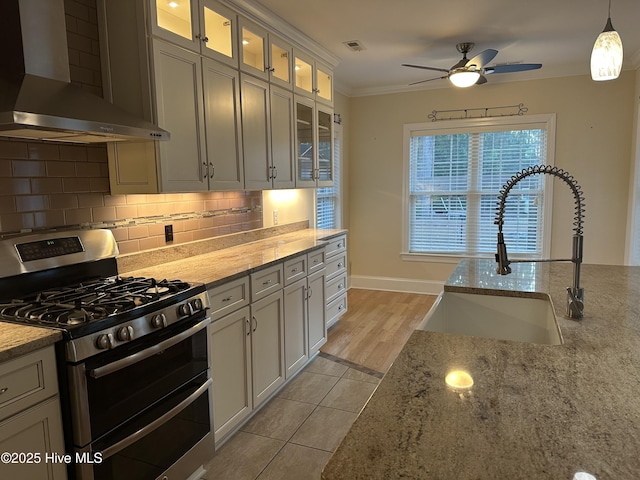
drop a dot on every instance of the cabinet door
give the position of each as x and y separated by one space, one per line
324 167
267 346
324 84
305 142
282 137
295 326
223 126
219 27
280 63
230 354
316 302
178 86
176 22
253 49
256 133
37 430
303 74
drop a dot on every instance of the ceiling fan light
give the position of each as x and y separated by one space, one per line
464 78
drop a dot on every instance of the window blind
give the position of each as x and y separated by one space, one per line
327 198
454 181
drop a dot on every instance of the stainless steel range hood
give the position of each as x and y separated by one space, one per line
37 99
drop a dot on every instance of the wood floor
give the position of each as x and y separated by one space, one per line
376 326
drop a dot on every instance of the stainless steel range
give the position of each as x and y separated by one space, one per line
133 366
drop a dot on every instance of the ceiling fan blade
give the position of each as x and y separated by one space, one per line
482 58
426 68
516 67
481 80
428 80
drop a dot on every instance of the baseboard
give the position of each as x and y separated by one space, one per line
405 285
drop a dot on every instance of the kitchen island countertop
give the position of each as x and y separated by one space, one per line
534 411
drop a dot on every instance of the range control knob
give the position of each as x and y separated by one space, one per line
125 333
104 341
184 309
197 304
159 320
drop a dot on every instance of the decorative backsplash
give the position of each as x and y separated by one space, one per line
45 186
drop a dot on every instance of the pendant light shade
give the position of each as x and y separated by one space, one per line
464 78
606 57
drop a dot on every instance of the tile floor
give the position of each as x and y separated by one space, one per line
293 436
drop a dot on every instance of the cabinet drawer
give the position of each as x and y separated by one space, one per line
336 309
295 269
336 245
316 260
336 287
265 281
228 297
336 265
27 380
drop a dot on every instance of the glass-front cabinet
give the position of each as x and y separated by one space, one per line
314 144
205 27
312 78
264 55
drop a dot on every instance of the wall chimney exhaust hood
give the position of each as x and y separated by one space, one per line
37 99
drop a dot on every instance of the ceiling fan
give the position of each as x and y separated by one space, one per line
467 72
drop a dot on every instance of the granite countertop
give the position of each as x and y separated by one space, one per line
226 264
534 411
17 340
209 268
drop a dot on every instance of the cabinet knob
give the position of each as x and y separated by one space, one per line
3 390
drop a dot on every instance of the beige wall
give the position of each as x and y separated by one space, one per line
593 143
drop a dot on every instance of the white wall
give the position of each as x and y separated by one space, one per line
593 143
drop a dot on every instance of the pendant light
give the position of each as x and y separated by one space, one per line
606 57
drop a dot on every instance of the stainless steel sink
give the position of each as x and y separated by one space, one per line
492 316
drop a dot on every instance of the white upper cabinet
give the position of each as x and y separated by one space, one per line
206 27
312 78
265 55
314 144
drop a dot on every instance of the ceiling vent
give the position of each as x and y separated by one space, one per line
354 45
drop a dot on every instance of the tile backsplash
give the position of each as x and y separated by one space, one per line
45 186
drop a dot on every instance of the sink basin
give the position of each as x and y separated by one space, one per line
493 316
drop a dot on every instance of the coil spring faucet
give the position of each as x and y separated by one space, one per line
575 294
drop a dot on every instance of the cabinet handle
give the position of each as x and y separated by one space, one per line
3 390
213 170
255 321
248 327
310 292
294 270
340 307
275 172
227 299
340 265
339 245
200 37
266 282
205 171
340 286
270 69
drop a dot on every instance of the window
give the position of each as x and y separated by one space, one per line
328 198
454 173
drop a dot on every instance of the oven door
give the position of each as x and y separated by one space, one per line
169 441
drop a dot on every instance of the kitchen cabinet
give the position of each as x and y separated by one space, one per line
314 144
316 300
230 357
336 278
30 418
267 346
296 321
265 55
267 131
205 27
312 78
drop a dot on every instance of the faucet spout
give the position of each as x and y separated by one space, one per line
575 294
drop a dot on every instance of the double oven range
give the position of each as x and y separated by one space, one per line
135 384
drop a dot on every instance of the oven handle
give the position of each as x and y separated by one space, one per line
141 355
122 444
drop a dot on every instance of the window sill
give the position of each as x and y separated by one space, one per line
434 258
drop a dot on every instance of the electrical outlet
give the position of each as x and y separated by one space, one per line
168 233
275 217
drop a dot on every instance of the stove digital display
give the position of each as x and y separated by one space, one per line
53 247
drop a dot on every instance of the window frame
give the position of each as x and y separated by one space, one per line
476 125
337 180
